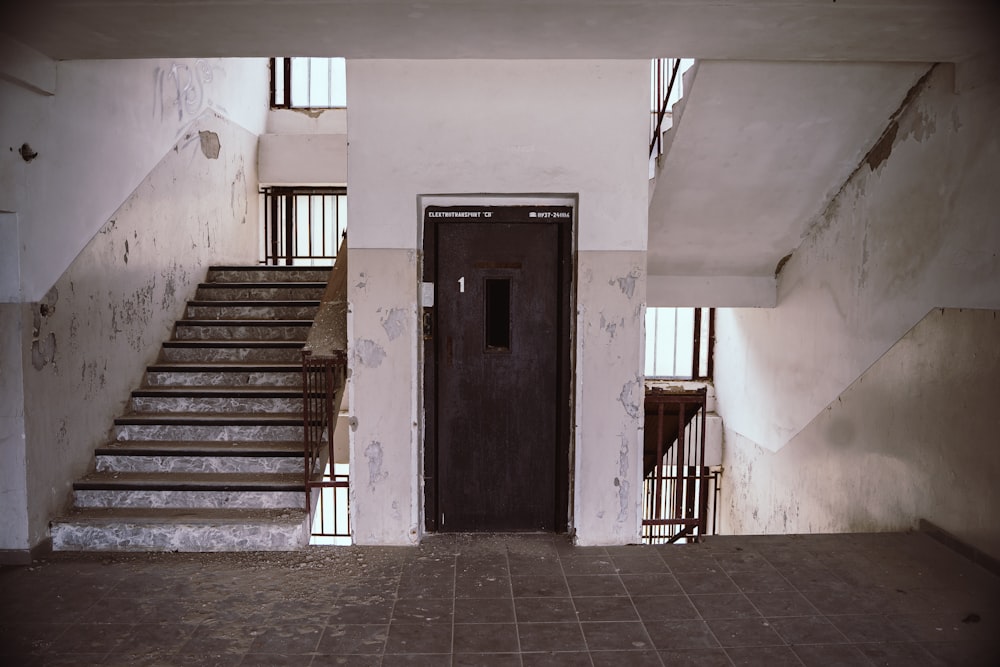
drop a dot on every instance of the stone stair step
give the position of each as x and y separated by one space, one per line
210 427
189 490
245 309
256 330
186 530
223 351
224 400
169 481
259 291
193 456
236 274
224 375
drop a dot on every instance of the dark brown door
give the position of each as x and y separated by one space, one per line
497 372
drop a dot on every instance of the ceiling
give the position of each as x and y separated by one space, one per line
840 30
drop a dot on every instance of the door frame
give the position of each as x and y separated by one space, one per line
566 333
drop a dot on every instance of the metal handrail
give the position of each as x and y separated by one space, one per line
663 107
323 382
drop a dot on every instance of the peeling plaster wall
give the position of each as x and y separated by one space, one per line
382 353
86 343
496 127
914 228
914 437
610 390
108 124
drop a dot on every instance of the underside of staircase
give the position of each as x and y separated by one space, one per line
209 456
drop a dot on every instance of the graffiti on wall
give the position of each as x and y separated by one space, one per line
181 89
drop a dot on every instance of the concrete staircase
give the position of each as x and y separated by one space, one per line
209 455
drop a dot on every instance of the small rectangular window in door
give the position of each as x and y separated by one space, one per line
497 295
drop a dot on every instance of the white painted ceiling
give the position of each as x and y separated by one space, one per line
843 30
760 150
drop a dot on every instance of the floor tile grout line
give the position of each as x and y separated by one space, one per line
454 595
642 623
572 601
513 604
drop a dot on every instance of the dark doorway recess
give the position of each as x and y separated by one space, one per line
497 367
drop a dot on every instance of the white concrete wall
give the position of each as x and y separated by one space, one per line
914 228
434 127
304 147
913 438
108 124
86 344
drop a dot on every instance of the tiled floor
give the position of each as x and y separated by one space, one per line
512 600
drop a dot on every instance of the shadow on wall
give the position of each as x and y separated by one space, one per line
913 438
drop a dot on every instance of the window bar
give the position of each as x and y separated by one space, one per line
696 356
673 361
711 343
273 228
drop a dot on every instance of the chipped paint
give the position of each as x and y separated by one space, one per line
627 283
43 351
621 482
369 353
374 454
394 323
210 145
631 397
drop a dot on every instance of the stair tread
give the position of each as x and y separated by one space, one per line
245 322
224 303
190 481
231 418
202 391
234 343
98 515
223 367
201 448
254 284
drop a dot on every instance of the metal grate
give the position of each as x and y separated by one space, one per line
677 484
302 225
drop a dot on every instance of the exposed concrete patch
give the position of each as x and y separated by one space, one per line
781 264
369 353
882 149
210 145
374 453
43 351
394 323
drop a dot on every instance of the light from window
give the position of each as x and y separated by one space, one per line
309 83
678 342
